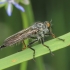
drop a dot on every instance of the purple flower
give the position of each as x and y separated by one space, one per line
9 8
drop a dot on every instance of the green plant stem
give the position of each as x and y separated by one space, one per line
40 63
27 54
23 65
27 18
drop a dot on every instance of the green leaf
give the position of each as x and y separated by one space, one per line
27 54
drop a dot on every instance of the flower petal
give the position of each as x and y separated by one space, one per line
9 9
18 6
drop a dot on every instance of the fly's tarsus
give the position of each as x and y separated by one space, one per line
48 48
61 39
33 52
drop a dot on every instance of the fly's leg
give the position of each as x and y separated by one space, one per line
29 46
61 39
24 45
57 37
42 41
53 35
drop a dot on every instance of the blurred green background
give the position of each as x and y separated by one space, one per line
38 10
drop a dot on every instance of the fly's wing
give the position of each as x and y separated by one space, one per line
20 36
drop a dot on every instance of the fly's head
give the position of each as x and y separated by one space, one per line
47 25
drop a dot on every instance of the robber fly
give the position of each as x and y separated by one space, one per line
38 31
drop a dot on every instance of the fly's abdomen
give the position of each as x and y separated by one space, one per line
12 40
18 37
9 42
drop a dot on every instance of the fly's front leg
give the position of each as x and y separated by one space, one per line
57 37
42 41
53 35
61 39
29 46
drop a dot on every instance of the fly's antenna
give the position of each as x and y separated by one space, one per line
51 22
2 46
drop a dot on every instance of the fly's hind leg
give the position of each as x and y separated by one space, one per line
29 46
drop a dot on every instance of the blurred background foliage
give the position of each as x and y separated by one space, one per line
38 10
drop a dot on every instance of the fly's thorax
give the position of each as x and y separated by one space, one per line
40 26
42 29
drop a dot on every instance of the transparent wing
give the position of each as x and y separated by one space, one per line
20 36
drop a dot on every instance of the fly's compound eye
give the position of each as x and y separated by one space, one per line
48 24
